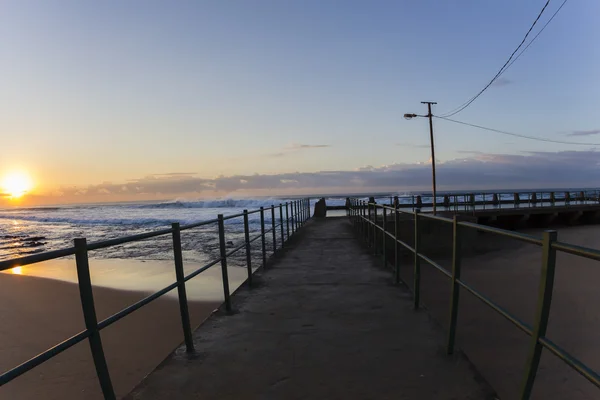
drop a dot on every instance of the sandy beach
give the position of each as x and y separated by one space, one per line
38 313
510 278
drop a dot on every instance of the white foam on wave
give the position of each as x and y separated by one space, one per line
250 204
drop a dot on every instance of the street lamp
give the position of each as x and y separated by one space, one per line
430 116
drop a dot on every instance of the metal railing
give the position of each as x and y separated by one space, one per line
365 219
296 214
471 201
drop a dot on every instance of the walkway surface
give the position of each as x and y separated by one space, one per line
324 322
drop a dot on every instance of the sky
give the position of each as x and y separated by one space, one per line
137 100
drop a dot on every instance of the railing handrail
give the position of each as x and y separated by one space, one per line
300 213
367 224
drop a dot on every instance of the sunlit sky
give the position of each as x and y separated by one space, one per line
100 99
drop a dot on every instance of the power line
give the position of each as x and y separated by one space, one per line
535 37
518 135
468 102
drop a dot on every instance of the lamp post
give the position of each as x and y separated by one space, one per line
430 116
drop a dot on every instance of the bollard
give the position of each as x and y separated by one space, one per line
248 250
224 262
455 289
183 303
89 316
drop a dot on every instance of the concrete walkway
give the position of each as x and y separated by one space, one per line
325 322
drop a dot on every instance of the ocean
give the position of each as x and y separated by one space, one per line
25 231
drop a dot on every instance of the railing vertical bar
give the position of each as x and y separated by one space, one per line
396 244
294 221
375 229
274 231
368 224
384 237
455 290
223 252
282 225
181 292
287 219
263 239
248 249
542 313
417 271
89 316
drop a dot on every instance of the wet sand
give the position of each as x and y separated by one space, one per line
510 277
38 313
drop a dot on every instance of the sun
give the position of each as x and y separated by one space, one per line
16 184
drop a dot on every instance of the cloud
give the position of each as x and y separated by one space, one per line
584 133
476 171
502 82
419 146
297 146
470 152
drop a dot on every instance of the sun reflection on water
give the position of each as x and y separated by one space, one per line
17 270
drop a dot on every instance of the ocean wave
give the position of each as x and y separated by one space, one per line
106 221
250 204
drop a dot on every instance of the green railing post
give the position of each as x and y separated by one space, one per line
89 316
248 250
417 272
365 224
542 312
375 229
294 217
223 253
263 238
282 224
306 209
183 303
455 290
273 229
287 219
369 226
384 236
396 245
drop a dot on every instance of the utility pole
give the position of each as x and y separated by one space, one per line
430 116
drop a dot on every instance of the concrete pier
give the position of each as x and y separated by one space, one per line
324 322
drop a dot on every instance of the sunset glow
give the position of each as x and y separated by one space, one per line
16 184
